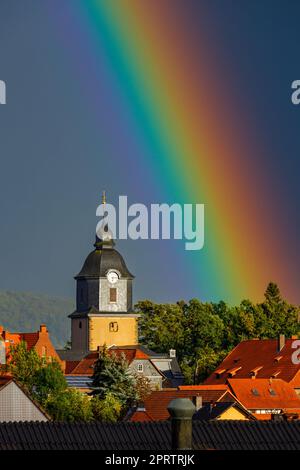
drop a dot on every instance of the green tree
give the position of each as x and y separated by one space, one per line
161 326
142 386
24 364
273 294
111 374
49 380
275 315
202 328
207 361
69 405
108 409
203 333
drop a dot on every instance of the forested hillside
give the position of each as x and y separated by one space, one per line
25 311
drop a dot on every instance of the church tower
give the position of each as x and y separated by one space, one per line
103 312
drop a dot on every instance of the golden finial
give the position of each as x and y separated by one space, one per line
103 197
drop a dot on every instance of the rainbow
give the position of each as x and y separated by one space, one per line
193 139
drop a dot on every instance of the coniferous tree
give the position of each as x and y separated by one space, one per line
112 375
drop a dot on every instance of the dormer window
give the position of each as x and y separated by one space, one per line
275 374
233 371
277 358
255 371
219 372
140 367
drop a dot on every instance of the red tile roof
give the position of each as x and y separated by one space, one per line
85 366
222 387
130 354
39 340
70 366
15 338
4 379
260 358
140 415
30 338
264 393
156 404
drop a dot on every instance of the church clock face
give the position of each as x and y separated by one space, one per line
112 277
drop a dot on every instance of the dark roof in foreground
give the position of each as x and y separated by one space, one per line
221 435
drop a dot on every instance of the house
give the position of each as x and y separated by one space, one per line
212 402
260 359
79 373
16 404
38 340
223 411
266 397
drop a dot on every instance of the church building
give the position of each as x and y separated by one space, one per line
104 316
103 312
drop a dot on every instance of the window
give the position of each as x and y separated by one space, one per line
113 327
140 367
272 392
80 324
112 294
255 392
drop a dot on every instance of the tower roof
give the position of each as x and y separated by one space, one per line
101 260
104 257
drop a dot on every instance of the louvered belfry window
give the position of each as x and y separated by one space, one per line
112 294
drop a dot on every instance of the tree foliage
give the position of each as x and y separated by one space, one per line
48 381
203 333
108 409
24 364
112 375
69 405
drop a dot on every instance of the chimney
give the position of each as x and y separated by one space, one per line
281 343
43 329
141 406
172 353
197 400
181 411
2 352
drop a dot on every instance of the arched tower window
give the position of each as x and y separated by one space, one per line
113 327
